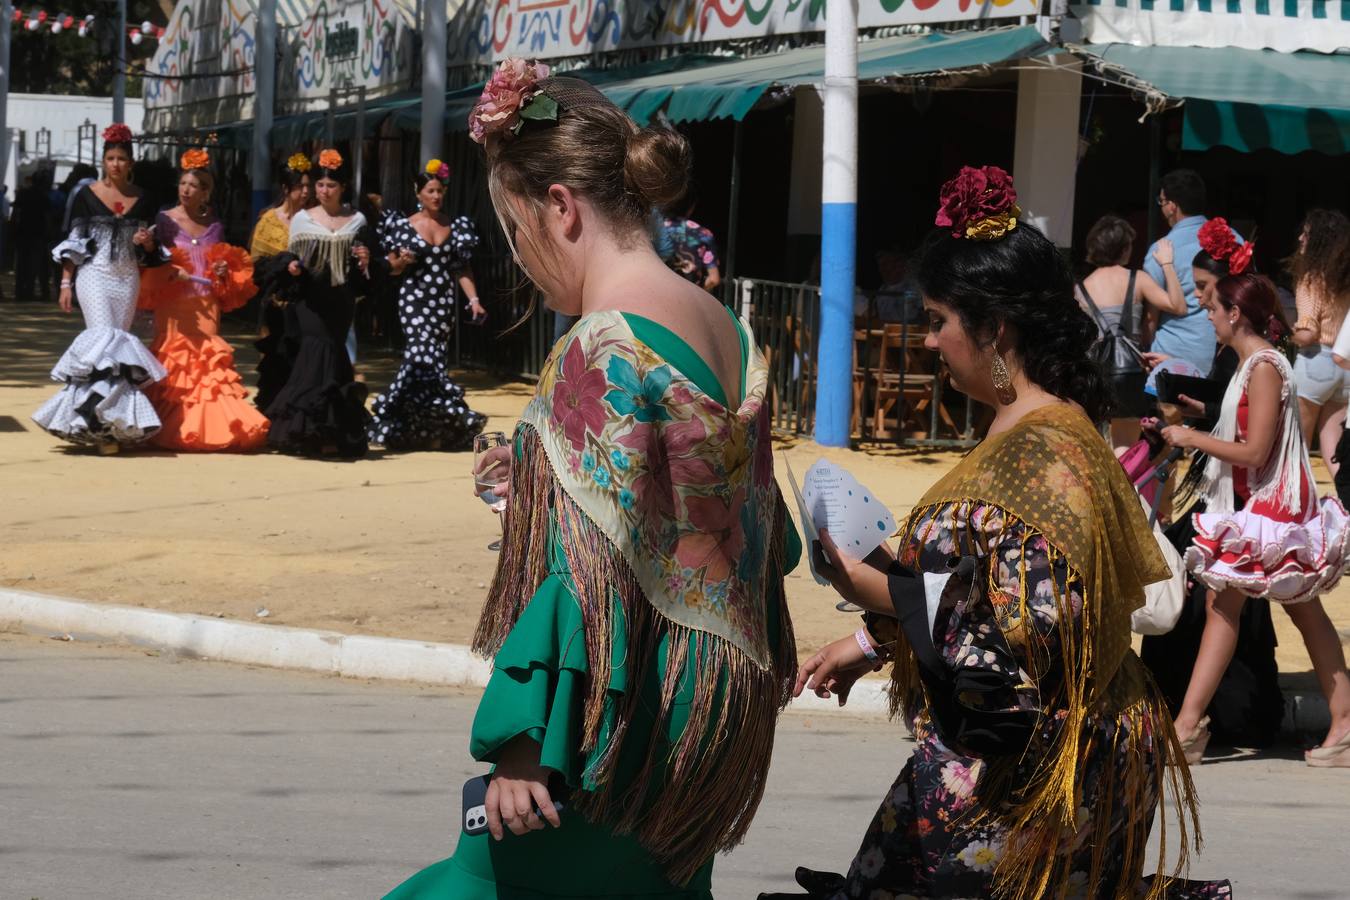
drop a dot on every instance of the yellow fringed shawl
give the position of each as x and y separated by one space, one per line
1053 473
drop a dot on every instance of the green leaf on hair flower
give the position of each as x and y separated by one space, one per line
540 108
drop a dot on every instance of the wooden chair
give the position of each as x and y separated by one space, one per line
906 384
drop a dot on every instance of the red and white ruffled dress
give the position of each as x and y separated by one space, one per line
1284 544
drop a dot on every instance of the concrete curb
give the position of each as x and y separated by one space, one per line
284 647
364 656
279 646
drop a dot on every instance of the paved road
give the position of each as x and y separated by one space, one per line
129 775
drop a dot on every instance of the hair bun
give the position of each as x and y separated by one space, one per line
656 166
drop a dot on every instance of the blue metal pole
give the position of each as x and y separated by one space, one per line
838 225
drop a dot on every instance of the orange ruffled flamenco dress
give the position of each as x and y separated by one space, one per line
202 402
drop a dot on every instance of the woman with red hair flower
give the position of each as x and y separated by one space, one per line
1042 748
106 367
202 402
1264 532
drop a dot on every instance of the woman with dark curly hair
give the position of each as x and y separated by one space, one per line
1042 745
1320 270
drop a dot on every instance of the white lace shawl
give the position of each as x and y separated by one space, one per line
317 247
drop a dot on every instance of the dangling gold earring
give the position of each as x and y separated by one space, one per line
1003 385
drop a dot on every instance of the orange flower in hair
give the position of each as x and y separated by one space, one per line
195 158
330 159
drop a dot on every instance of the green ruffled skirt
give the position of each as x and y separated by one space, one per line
536 688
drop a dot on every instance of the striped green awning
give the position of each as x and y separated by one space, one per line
693 88
732 89
1247 99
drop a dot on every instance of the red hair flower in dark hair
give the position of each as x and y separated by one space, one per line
980 204
1217 239
1240 260
117 133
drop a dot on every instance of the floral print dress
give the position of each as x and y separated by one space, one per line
926 839
688 248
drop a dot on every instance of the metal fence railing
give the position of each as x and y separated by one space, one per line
508 296
893 379
783 318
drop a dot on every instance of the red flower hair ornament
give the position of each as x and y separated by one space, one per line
1218 239
117 133
979 204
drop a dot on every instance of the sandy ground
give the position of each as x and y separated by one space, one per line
395 544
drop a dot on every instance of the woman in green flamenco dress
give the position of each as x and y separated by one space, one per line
641 644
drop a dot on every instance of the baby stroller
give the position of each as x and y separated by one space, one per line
1149 473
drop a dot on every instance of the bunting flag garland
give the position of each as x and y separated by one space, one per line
38 19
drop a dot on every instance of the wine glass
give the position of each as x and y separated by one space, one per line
491 468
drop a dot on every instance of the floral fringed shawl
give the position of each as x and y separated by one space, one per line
668 514
1053 473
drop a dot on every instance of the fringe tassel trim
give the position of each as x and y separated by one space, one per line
714 774
333 253
1040 812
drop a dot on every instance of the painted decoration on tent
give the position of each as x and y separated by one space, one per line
345 44
211 38
1284 25
553 28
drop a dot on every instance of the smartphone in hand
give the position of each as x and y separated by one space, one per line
474 821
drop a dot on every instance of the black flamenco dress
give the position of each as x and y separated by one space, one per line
320 410
423 409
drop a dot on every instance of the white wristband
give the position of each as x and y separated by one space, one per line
868 650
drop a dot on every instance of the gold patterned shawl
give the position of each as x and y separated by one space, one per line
1053 473
665 501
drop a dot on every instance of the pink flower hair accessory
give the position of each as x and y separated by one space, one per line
980 204
510 98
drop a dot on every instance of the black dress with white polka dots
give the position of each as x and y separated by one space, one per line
423 409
